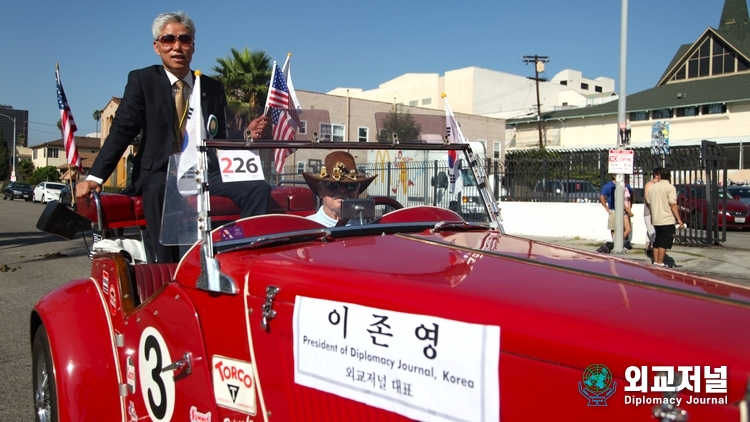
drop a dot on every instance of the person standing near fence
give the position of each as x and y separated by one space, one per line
607 199
662 200
650 231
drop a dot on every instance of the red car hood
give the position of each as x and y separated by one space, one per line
552 304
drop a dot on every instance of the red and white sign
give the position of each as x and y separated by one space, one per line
234 384
621 161
240 165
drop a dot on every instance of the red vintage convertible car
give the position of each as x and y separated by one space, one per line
416 315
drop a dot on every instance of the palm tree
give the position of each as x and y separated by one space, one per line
245 76
97 116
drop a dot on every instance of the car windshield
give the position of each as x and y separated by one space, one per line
412 171
55 186
21 186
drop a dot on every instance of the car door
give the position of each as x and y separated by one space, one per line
164 359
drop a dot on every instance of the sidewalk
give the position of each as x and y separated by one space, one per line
719 262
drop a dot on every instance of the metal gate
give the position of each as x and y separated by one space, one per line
699 175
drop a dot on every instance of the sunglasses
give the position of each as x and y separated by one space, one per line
169 39
334 186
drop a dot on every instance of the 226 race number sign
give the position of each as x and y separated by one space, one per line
240 166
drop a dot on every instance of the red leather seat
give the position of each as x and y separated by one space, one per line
120 211
150 277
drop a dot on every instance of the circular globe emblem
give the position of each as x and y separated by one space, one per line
597 378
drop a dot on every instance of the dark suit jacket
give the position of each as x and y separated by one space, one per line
147 108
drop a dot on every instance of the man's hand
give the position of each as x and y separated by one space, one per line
84 188
260 128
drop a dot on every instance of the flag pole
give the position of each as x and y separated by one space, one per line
268 97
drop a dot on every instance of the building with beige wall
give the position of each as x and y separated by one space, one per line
53 153
347 119
485 92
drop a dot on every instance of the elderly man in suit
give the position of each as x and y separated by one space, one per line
150 107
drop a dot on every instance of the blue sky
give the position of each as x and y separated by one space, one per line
334 43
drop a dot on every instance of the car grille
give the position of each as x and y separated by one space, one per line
738 213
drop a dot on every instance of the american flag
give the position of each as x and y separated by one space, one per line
283 124
68 126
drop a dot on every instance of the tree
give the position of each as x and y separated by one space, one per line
403 124
97 116
245 76
25 169
21 139
4 158
45 174
59 126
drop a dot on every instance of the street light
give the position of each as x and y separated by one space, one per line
13 171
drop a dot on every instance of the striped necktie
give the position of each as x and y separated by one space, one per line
180 102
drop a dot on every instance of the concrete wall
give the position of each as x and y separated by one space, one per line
584 221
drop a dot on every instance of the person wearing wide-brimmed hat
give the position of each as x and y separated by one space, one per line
338 180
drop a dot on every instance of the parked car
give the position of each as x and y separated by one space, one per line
416 315
17 190
740 193
47 191
65 196
560 190
693 203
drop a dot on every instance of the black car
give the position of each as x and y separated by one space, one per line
18 190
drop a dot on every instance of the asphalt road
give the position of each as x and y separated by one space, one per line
32 263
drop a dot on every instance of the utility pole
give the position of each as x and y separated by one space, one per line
539 62
621 112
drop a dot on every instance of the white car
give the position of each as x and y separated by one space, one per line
47 191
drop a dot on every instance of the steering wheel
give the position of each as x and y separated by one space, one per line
379 200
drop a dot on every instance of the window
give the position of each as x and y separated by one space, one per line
325 132
638 115
564 83
687 111
426 101
698 64
598 89
714 109
414 103
303 127
363 134
584 86
34 154
300 166
53 152
338 133
663 113
496 150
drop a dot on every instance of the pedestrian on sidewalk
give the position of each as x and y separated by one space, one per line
607 199
662 200
650 231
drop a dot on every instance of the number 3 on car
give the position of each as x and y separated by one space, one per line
157 385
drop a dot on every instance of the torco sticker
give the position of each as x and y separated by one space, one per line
196 416
130 375
112 300
157 387
105 282
234 384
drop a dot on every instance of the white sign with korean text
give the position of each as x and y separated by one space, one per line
420 366
240 165
621 161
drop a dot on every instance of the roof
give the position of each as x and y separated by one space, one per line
81 142
695 92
